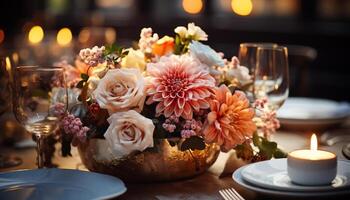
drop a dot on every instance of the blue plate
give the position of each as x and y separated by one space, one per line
58 184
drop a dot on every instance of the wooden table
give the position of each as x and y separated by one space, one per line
205 186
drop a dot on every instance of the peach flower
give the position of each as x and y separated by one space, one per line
230 121
163 46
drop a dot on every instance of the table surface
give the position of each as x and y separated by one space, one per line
205 186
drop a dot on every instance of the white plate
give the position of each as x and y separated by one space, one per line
58 184
273 174
308 113
237 177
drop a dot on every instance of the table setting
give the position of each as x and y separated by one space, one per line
172 118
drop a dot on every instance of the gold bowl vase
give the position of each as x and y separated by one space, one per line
168 163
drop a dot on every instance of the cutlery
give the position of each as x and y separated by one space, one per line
230 194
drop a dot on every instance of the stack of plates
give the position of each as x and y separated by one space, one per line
312 114
270 177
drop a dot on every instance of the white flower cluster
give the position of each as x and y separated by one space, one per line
191 32
147 39
92 57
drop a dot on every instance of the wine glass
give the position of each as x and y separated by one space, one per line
271 76
247 55
5 82
35 101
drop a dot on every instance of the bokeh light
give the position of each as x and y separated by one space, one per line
36 34
64 36
84 36
2 35
242 7
110 35
192 6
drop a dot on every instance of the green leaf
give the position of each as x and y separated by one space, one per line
244 151
279 154
80 84
256 139
177 40
268 148
85 77
193 143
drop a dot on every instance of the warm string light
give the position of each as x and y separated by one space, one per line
242 7
192 6
9 69
36 35
64 37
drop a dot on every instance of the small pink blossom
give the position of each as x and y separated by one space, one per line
170 123
266 119
92 57
73 126
187 133
190 128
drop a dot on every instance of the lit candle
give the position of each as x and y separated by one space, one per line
312 166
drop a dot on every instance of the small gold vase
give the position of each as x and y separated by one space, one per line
167 164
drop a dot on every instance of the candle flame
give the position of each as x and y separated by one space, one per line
313 143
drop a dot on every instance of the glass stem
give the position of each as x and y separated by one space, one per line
40 153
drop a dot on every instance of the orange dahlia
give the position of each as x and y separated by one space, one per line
180 85
230 121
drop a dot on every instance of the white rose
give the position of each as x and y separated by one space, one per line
120 90
134 59
128 131
205 54
240 73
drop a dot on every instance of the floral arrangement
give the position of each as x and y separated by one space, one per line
173 88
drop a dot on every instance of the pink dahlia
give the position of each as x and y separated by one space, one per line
179 85
230 121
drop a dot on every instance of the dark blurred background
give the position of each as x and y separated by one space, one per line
317 32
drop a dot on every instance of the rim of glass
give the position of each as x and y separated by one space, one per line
38 68
258 44
275 48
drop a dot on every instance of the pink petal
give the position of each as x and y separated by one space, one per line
168 101
157 97
181 102
160 107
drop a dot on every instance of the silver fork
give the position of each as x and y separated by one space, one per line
230 194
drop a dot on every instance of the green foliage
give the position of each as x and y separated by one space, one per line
84 77
265 149
114 53
181 45
244 151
